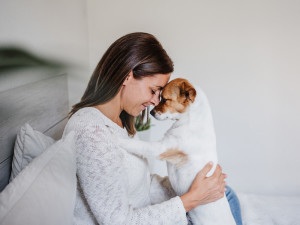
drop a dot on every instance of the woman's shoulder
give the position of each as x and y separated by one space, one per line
91 132
85 119
90 120
87 115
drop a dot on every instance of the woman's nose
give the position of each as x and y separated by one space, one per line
155 99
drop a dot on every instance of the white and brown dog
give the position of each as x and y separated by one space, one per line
187 146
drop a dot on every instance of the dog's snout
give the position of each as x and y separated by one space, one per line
152 112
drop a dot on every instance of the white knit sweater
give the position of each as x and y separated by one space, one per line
113 186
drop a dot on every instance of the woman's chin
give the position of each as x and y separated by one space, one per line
135 113
138 113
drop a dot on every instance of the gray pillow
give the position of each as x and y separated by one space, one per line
29 144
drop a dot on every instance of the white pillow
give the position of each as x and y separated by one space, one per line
29 144
44 192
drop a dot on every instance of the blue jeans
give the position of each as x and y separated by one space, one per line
234 204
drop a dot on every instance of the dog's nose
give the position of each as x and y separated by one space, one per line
152 112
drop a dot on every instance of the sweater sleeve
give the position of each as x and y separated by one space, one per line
103 183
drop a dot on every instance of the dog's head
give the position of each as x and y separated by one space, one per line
176 97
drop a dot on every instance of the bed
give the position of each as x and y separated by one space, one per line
44 105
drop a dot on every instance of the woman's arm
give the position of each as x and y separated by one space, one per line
103 181
202 191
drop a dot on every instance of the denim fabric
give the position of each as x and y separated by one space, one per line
234 205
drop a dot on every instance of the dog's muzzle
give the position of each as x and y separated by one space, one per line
152 112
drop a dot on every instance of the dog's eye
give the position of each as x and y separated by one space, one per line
163 100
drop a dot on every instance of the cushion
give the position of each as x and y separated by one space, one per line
44 192
29 144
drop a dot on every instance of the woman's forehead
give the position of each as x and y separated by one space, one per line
158 80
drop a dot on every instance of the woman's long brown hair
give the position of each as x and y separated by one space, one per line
138 52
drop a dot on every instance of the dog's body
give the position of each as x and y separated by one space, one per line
187 146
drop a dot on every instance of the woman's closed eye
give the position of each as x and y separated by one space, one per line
155 92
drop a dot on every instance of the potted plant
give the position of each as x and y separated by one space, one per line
142 125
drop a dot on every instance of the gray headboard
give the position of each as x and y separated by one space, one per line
43 104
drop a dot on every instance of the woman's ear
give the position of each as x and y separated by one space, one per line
128 78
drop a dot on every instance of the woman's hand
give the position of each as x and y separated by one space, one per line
205 189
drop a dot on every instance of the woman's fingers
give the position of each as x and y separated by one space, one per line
218 171
219 179
223 187
222 182
202 173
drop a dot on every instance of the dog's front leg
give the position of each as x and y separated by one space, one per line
142 148
149 149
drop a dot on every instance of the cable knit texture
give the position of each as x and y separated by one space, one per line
113 186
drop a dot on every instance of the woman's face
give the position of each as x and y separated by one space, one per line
137 94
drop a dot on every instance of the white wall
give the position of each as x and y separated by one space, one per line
54 29
245 55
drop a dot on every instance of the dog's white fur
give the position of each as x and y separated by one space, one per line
192 133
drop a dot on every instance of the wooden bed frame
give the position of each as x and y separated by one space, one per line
43 104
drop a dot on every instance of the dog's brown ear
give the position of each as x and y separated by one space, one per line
188 91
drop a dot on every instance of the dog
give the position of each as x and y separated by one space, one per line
187 146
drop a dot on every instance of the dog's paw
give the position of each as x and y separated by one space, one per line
174 156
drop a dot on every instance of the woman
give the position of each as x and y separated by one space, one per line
115 187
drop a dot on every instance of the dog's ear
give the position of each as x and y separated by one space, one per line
188 91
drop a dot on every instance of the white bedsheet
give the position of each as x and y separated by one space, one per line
269 210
